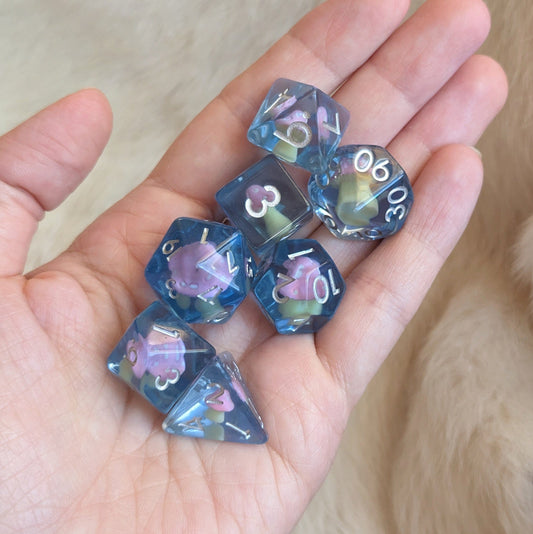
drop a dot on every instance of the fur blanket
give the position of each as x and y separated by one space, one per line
442 441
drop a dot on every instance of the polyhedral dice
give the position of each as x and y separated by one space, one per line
217 406
202 270
298 286
299 124
364 194
159 356
265 204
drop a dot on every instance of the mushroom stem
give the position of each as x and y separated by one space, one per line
356 204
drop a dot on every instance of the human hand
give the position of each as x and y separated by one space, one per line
80 452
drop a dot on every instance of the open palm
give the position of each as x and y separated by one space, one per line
79 452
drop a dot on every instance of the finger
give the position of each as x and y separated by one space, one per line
413 65
385 290
41 162
323 49
382 99
459 113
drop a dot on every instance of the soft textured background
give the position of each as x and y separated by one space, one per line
442 441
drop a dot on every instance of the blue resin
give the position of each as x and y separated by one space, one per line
265 204
217 406
299 124
202 270
159 356
298 286
365 194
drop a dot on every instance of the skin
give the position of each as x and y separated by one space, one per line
79 452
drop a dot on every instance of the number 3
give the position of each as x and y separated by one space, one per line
393 211
162 386
265 204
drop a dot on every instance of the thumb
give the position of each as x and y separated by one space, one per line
41 162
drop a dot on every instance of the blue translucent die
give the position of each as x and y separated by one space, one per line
202 270
298 286
217 406
265 204
159 356
299 124
365 194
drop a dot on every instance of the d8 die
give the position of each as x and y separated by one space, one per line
217 406
299 124
298 286
265 204
202 270
365 194
159 356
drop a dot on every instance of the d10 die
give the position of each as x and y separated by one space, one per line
202 270
217 406
265 204
365 194
159 356
298 286
299 124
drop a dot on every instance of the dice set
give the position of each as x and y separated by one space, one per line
202 270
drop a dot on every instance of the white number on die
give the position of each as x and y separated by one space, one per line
298 134
265 204
396 200
364 161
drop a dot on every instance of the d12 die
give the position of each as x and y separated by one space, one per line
265 204
299 124
217 406
202 270
298 286
365 194
159 356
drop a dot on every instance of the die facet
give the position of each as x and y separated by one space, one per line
299 124
159 356
365 194
298 286
202 270
217 406
265 204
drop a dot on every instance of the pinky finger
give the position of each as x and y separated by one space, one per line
385 290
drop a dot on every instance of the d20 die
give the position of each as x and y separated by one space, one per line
365 194
299 124
202 270
217 406
265 204
159 356
298 286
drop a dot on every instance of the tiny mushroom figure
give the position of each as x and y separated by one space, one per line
304 293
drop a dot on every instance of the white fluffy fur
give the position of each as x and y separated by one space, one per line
442 441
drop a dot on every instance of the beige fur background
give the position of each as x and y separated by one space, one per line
442 441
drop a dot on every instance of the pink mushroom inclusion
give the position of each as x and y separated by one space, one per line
305 271
157 355
257 194
220 403
198 269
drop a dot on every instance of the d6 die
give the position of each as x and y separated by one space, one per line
159 356
202 270
298 286
299 124
365 194
217 406
265 204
